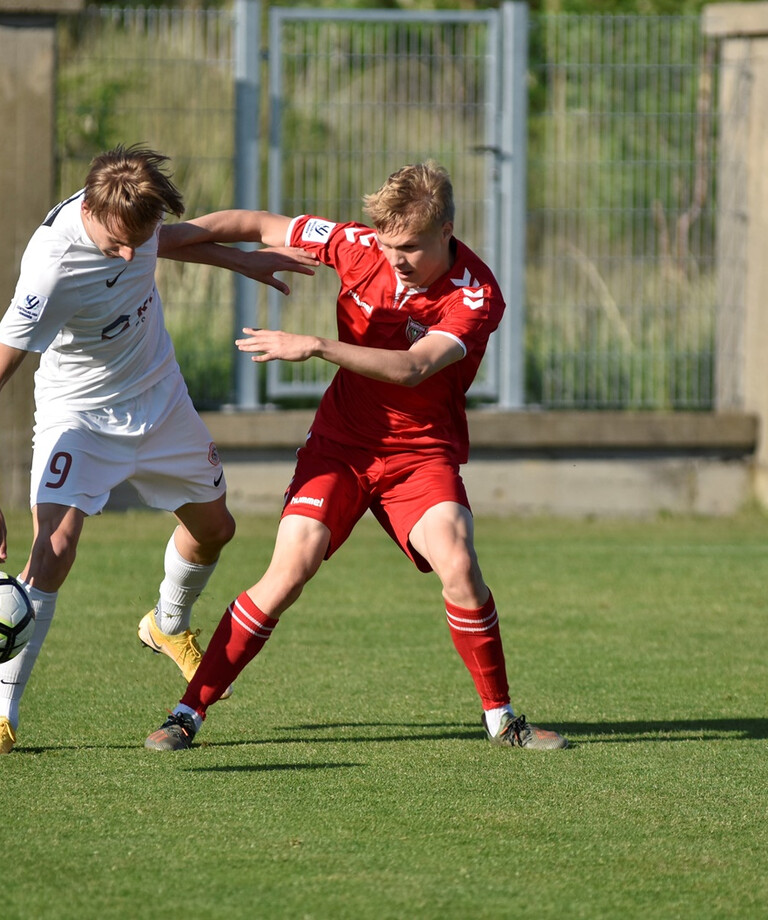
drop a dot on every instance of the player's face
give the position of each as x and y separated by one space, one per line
418 259
114 241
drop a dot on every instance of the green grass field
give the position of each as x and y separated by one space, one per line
348 777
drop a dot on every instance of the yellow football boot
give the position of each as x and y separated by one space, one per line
182 648
7 736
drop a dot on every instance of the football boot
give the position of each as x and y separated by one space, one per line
182 648
516 731
175 734
7 736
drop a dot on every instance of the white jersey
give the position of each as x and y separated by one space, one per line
98 321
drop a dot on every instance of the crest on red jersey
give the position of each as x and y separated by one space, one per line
415 331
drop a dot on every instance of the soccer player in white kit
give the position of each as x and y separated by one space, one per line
111 404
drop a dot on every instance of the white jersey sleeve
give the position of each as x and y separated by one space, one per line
98 321
43 302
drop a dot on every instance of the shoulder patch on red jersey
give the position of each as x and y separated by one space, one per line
317 231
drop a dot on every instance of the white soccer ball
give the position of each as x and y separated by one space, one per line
17 619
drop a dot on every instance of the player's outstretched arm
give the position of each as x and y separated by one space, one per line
10 359
232 226
199 239
260 265
406 368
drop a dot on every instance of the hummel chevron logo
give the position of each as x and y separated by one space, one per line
365 237
472 291
466 280
111 282
473 298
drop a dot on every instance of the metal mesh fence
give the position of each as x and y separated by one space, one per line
358 95
621 290
620 275
164 78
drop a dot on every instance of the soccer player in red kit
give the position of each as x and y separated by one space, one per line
414 312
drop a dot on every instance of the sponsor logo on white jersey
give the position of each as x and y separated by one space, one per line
31 306
317 231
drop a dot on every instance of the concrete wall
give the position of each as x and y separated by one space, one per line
499 486
525 463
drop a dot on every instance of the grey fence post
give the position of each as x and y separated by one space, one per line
247 174
742 226
512 213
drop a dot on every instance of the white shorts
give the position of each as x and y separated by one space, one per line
156 441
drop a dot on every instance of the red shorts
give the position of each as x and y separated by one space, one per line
336 484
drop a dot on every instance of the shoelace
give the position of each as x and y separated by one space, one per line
518 725
178 720
190 647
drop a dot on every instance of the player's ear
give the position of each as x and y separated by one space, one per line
447 231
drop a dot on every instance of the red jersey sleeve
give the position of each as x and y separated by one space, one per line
350 248
471 302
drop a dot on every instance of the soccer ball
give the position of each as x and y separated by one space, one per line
17 619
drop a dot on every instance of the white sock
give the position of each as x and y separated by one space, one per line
493 718
183 584
15 673
198 719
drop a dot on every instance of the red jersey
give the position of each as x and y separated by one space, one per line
375 310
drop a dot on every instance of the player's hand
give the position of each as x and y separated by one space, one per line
3 539
261 265
271 345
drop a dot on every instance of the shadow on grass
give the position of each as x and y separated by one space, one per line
339 733
660 730
270 767
629 732
583 732
674 730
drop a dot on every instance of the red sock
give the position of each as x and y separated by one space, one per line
477 639
238 638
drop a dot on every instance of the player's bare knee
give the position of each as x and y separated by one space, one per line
227 529
217 534
461 578
456 569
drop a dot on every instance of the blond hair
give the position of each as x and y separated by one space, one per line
128 189
417 197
